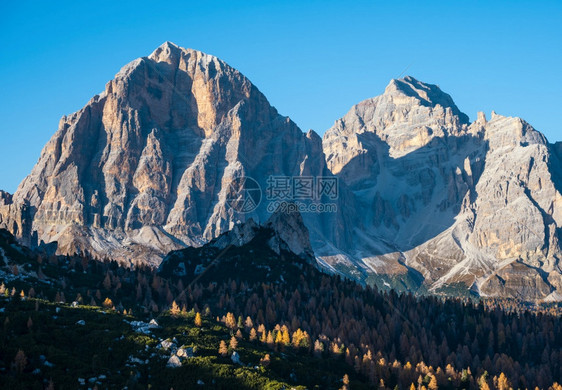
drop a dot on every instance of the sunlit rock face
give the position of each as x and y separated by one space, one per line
145 166
473 203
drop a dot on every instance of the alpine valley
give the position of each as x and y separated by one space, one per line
428 201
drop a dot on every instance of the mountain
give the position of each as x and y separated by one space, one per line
456 203
180 148
148 165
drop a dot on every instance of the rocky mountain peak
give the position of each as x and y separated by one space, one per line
177 56
5 198
167 50
146 166
426 94
476 204
408 116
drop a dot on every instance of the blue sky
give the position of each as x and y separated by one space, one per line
312 59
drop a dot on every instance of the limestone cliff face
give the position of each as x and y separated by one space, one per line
145 166
477 204
14 217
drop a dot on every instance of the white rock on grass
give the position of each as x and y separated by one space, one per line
236 358
173 362
153 324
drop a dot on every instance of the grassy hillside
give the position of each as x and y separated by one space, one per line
107 351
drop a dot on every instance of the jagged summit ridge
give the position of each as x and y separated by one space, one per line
428 94
167 49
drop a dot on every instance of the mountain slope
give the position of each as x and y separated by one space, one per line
475 204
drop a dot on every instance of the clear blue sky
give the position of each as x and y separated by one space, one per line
312 59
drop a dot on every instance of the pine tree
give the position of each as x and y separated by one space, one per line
223 350
503 383
248 324
318 348
348 357
483 382
20 361
345 381
265 360
233 342
169 295
107 282
278 337
175 310
270 341
230 321
285 338
357 364
198 321
432 383
296 338
253 335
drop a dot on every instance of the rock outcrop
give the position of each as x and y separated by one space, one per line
14 217
289 234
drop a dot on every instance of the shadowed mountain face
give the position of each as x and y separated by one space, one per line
427 200
459 203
